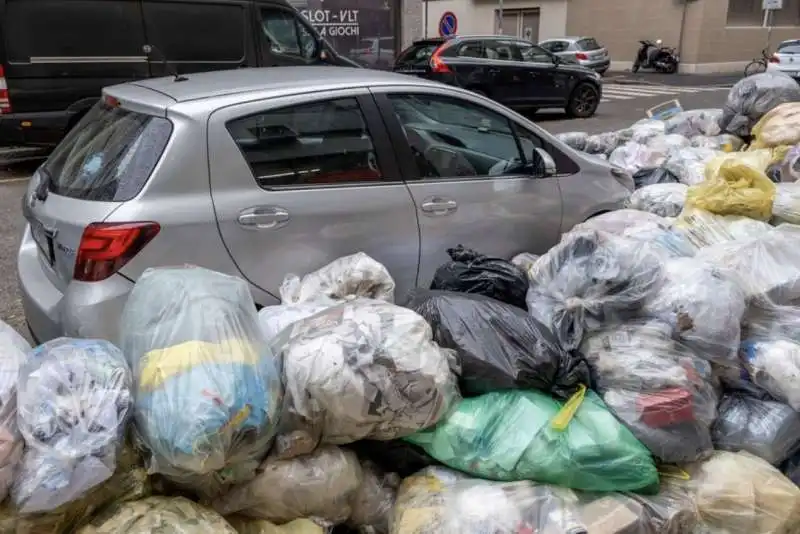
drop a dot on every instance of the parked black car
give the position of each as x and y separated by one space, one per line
57 55
512 71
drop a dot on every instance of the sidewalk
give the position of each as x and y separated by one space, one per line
680 80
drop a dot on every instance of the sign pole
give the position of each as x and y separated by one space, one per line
500 17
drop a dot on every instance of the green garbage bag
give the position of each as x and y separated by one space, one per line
528 435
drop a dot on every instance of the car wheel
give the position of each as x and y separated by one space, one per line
583 101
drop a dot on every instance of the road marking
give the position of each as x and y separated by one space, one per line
13 180
612 91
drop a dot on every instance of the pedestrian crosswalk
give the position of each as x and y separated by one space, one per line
613 92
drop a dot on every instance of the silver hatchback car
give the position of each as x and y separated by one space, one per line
264 172
585 51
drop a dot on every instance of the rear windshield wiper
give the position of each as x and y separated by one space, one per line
43 187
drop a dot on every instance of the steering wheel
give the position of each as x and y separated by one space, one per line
505 167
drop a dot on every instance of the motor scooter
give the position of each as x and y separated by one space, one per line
654 55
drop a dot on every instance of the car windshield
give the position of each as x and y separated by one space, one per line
789 48
418 52
588 44
108 155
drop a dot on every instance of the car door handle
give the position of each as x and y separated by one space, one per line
439 206
263 218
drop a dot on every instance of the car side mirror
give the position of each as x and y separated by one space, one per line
542 164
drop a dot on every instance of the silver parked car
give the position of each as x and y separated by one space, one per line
264 172
786 58
585 51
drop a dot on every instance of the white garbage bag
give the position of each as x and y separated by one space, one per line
603 143
704 229
695 122
668 143
723 142
646 129
618 221
576 140
13 354
689 164
786 205
665 200
634 156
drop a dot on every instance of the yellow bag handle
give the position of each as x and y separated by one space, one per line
568 411
671 471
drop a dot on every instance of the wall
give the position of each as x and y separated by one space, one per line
412 22
478 16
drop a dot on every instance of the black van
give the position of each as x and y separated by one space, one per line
57 55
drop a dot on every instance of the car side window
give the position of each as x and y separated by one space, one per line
529 141
534 54
455 138
317 143
287 35
501 50
474 49
556 46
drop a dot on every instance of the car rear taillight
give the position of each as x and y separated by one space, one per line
106 247
5 102
581 56
774 59
437 64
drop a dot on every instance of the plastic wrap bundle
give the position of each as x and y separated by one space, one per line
723 142
665 200
438 500
704 305
525 260
786 206
737 189
603 143
372 505
528 435
653 175
162 515
74 399
704 229
656 387
364 369
499 346
778 126
617 222
634 156
208 387
13 354
694 122
767 267
591 278
576 140
356 275
752 97
645 129
470 272
767 429
320 485
688 164
245 525
273 319
738 493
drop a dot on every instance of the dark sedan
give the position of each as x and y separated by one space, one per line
512 71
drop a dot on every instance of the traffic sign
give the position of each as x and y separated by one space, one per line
448 24
772 4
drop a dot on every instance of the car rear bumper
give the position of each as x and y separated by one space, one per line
793 70
33 129
597 66
87 310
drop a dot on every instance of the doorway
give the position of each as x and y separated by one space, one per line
522 23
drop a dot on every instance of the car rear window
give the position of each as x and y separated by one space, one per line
588 44
108 156
418 52
789 48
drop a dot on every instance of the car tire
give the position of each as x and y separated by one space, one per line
583 101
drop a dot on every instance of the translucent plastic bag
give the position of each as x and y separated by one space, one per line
591 278
788 168
752 97
74 400
668 143
778 127
525 261
665 200
786 206
634 156
688 165
758 159
694 122
739 493
576 140
208 387
617 222
767 429
666 244
13 354
162 515
737 189
273 319
245 525
320 485
646 129
775 367
722 142
653 175
499 346
656 387
704 305
470 272
527 435
357 275
767 267
364 369
372 505
704 229
603 143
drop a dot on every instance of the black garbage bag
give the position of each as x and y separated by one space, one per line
654 175
470 272
791 468
396 456
499 346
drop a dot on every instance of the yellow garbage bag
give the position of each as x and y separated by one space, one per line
735 189
245 525
758 159
780 126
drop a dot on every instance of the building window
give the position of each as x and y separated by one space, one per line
749 13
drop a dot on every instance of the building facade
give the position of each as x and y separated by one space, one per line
712 35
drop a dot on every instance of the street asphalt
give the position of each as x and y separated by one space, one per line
610 116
